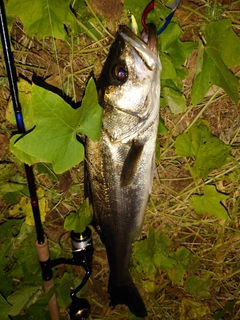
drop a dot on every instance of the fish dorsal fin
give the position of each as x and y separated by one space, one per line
131 163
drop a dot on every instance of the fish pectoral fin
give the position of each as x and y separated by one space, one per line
131 163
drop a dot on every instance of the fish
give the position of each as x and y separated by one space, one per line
121 164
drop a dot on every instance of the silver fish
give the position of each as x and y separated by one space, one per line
120 166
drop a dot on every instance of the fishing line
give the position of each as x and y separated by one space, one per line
150 7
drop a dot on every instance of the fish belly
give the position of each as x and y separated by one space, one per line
120 176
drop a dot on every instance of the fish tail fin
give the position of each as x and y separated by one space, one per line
127 294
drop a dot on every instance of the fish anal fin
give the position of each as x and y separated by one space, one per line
131 163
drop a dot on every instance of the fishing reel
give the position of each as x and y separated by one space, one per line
82 251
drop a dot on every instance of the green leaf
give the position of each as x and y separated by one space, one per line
6 284
25 97
54 137
152 253
38 310
162 128
161 256
6 173
5 308
190 310
168 69
24 208
210 203
91 113
63 290
175 100
10 187
78 221
143 255
221 36
43 17
170 36
9 228
198 287
180 51
184 261
228 309
20 298
174 84
221 75
220 53
208 152
202 80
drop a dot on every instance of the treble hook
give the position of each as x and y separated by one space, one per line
150 7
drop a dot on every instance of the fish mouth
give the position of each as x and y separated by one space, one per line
149 36
146 46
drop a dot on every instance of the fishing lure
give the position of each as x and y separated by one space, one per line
150 7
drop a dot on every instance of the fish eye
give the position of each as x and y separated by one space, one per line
120 72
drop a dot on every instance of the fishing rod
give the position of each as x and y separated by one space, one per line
82 248
42 242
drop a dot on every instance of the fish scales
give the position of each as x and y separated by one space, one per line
120 165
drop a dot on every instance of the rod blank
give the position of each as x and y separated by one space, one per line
42 243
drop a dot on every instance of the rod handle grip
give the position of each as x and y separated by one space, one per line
52 303
44 255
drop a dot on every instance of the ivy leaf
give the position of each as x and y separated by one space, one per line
208 152
24 208
220 53
214 71
54 137
25 95
193 310
227 309
5 308
210 203
180 51
184 261
173 54
6 174
168 38
38 310
63 296
43 17
170 44
20 298
78 221
90 113
175 100
202 78
198 287
168 70
152 253
226 41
